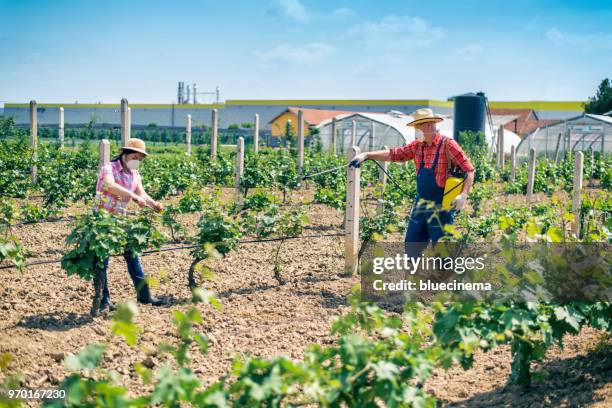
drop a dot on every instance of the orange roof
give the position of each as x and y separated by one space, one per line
531 125
526 122
313 117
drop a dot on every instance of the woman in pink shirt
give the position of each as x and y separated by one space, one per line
118 183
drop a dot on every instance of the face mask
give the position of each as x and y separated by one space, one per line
418 134
133 164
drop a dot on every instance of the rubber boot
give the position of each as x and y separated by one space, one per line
96 302
143 294
106 303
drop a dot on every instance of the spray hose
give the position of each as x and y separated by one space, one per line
334 169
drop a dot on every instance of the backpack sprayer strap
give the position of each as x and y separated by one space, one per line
452 169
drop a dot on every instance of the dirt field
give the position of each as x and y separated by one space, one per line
44 315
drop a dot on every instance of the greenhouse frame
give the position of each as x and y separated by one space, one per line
376 130
373 130
581 133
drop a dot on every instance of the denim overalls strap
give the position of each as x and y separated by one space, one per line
427 188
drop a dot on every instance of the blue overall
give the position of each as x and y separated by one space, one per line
426 220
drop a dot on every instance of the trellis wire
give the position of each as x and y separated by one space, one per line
179 248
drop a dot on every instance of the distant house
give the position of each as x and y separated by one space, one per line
312 118
520 121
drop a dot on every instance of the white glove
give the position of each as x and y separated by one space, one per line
357 160
459 201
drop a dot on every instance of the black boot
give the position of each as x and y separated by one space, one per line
96 302
106 303
143 294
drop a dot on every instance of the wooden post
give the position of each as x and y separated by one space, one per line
354 133
125 123
129 123
577 199
214 134
256 134
512 163
33 139
333 141
497 148
188 135
382 185
500 148
60 128
592 168
103 153
372 136
531 174
351 220
557 148
239 166
300 142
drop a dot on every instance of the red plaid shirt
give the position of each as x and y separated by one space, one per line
412 151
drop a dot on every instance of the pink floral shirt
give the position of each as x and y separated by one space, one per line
128 179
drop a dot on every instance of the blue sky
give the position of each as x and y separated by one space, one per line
67 50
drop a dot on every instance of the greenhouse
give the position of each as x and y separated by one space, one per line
376 130
581 133
373 130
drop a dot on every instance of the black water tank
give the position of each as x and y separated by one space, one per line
470 113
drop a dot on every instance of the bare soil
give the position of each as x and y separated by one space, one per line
44 315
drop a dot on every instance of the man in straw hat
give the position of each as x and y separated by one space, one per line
433 155
119 182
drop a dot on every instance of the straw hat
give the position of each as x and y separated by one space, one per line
136 145
424 115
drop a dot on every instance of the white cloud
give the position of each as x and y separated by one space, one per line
468 52
22 74
555 36
400 32
585 42
296 54
292 9
342 12
470 49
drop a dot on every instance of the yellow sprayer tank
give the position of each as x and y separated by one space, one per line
452 189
